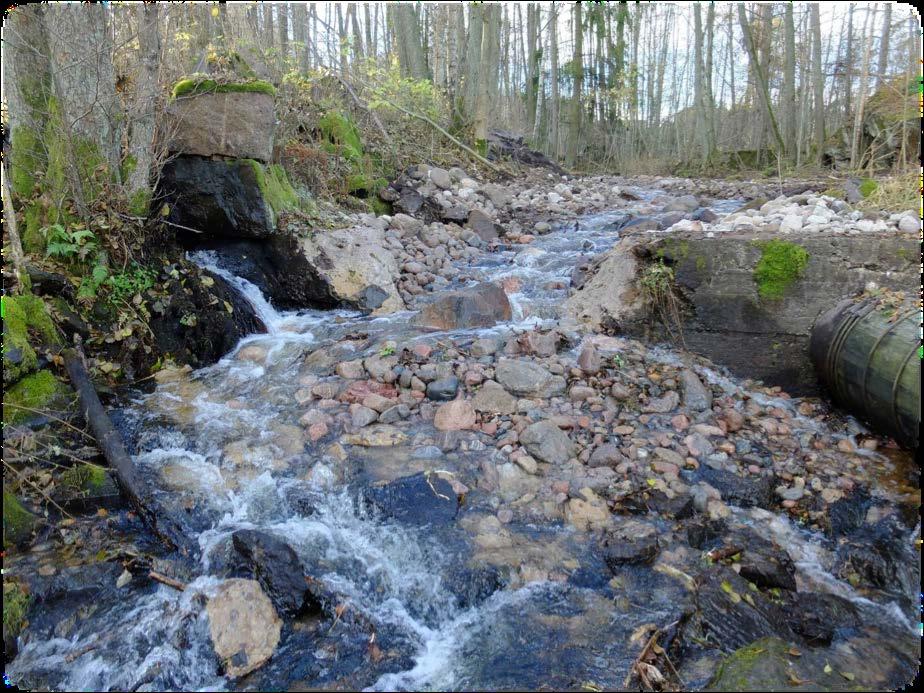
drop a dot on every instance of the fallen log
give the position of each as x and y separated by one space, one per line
110 443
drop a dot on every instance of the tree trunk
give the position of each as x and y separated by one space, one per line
855 153
848 69
472 58
554 130
788 92
818 84
884 45
27 87
147 89
84 87
487 73
411 54
300 32
698 97
283 9
358 51
760 76
577 86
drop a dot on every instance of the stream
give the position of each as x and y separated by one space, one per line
470 604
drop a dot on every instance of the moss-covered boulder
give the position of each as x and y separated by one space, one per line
209 118
16 603
33 393
18 524
236 198
26 323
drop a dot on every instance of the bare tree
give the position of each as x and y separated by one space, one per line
818 82
147 89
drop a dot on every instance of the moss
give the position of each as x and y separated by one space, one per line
837 193
140 203
190 86
868 186
481 146
34 392
781 263
16 603
379 206
17 526
25 319
89 478
26 161
342 132
32 239
275 187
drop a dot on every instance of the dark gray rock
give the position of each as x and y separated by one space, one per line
278 570
547 443
444 389
421 499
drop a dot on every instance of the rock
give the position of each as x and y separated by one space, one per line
790 223
762 562
355 266
589 360
547 442
491 398
630 543
278 570
421 499
528 379
696 396
362 416
441 178
880 555
243 626
662 405
587 513
482 306
499 196
443 389
686 203
909 223
220 197
484 347
457 415
377 402
232 125
744 492
579 393
817 617
481 224
381 435
606 455
351 370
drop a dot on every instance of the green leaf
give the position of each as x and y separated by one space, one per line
100 273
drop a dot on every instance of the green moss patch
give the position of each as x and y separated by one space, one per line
341 133
190 86
18 524
25 322
16 603
88 478
781 263
868 186
275 187
34 392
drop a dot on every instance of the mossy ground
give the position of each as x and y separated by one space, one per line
16 602
17 526
781 263
867 187
342 135
33 393
25 322
89 478
190 86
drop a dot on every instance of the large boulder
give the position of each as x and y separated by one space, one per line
243 625
482 306
356 266
420 499
237 198
277 568
237 125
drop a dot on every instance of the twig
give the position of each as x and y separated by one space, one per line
31 483
50 416
169 581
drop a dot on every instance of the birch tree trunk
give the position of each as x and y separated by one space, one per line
472 58
554 130
577 67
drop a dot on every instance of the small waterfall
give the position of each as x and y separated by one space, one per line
272 318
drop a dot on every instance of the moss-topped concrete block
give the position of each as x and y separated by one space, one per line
33 393
234 120
26 323
18 524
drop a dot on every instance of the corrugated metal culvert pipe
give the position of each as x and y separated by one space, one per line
866 353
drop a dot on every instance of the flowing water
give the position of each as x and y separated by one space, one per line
224 450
